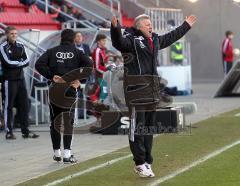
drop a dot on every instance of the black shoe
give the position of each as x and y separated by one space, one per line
71 159
57 159
30 135
10 136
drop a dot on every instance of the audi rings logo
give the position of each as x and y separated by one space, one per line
64 55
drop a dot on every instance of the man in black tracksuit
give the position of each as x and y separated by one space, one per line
14 58
140 46
54 64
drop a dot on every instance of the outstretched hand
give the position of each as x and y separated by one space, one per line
191 20
114 21
58 79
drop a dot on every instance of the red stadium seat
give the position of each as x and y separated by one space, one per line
29 20
18 15
13 6
126 21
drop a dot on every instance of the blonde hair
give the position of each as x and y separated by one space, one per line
139 18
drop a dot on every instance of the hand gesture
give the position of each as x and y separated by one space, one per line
75 84
114 21
58 79
191 20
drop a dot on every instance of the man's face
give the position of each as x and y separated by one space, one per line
78 38
146 27
102 43
12 36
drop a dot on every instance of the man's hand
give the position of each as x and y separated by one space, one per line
191 20
75 84
58 79
114 21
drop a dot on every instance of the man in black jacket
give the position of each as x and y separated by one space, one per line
14 58
53 64
80 45
139 46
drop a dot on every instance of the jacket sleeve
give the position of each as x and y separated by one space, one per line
171 37
7 62
98 57
87 50
85 61
120 42
226 49
25 59
42 66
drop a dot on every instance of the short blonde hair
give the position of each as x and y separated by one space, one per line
9 29
139 18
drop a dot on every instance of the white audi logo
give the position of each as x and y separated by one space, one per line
64 55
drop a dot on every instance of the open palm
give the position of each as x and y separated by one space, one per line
191 20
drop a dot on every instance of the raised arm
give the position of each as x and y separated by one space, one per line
123 44
171 37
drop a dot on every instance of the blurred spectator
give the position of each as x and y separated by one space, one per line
227 52
27 2
176 53
80 45
59 2
78 14
69 7
63 18
105 24
99 58
64 7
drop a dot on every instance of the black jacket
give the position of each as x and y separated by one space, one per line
61 60
139 58
142 86
85 48
13 58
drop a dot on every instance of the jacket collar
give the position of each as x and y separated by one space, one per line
11 44
135 32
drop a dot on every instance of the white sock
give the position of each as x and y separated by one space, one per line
57 152
67 153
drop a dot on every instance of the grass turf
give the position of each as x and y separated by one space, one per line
171 152
222 170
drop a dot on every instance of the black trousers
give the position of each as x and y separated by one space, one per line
142 146
61 121
15 93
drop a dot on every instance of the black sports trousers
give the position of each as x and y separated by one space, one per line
142 146
15 93
61 120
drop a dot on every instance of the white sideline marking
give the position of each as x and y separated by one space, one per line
237 115
91 169
195 163
157 182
